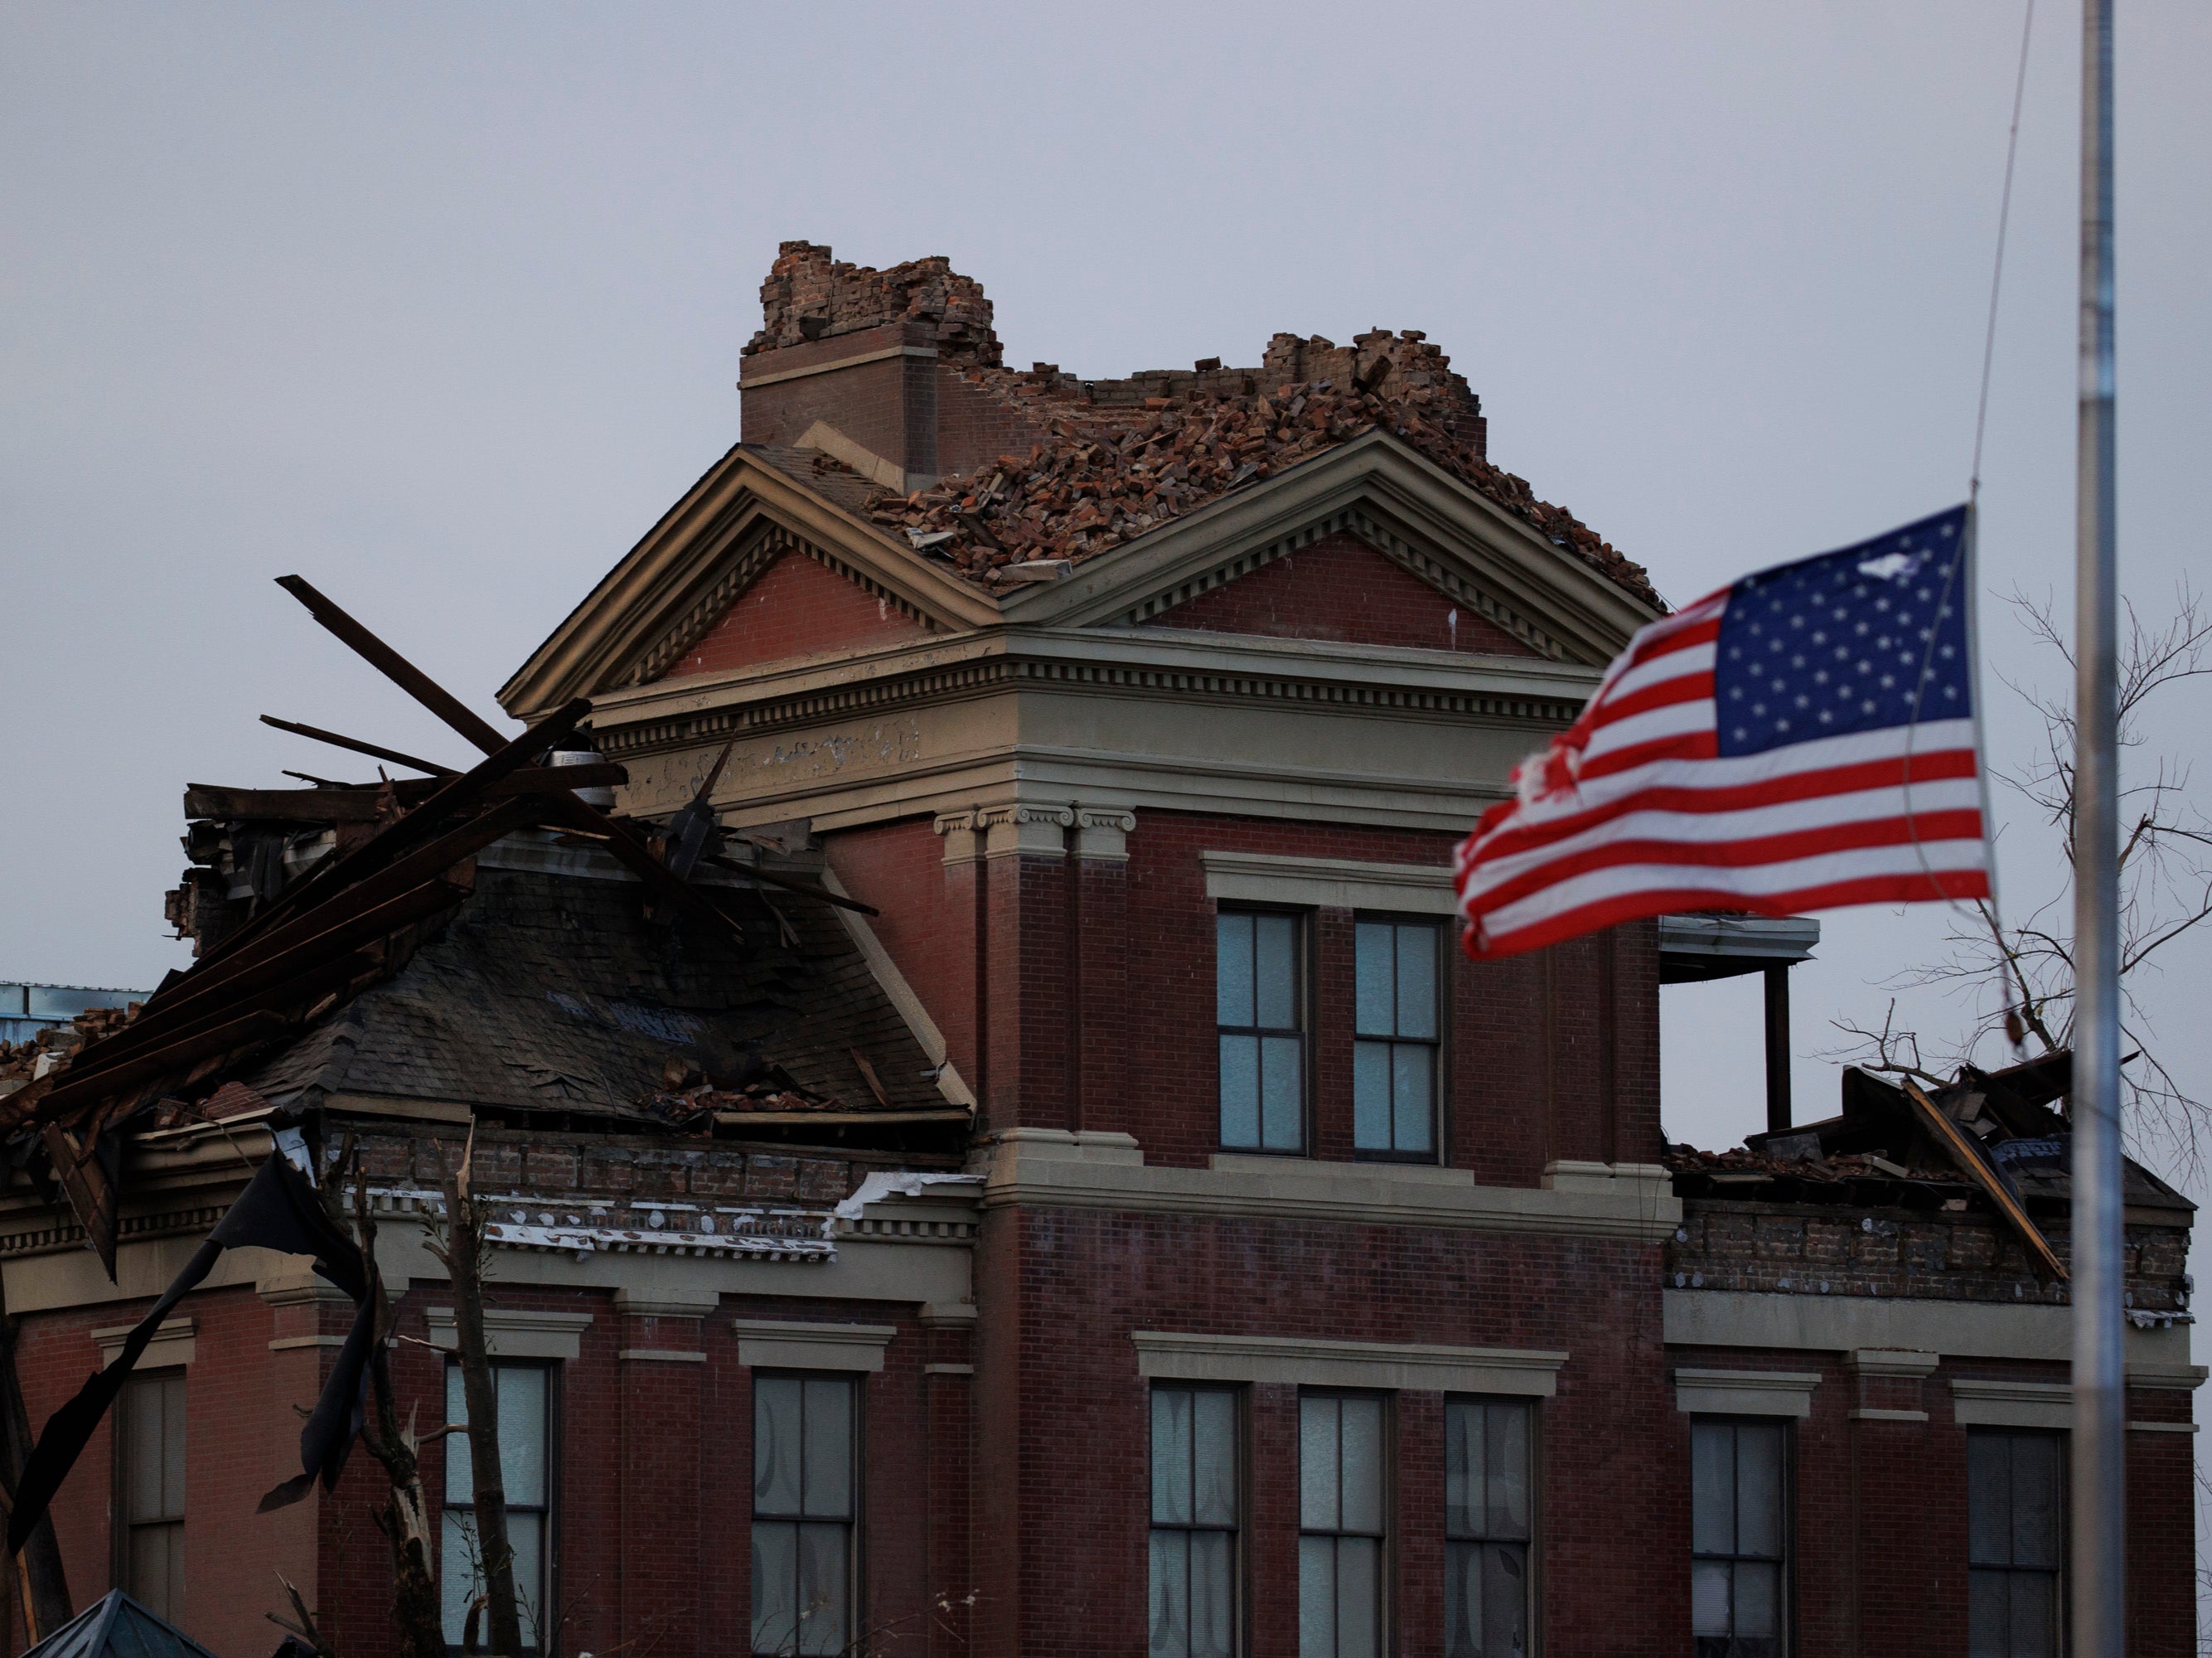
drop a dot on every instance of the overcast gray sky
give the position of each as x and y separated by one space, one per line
442 306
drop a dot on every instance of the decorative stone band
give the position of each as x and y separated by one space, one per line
516 1332
754 1234
1177 1355
1328 883
775 1344
1980 1403
172 1344
1746 1392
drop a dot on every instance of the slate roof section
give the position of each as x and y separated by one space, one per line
551 993
116 1626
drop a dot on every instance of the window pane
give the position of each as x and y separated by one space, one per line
458 1582
1213 1473
1411 1065
461 1472
2035 1614
526 1541
1709 1597
1317 1597
141 1449
1508 1508
156 1568
776 1587
1463 1608
1712 1489
1212 1594
1275 949
1232 970
827 1464
522 1433
1757 1598
1416 982
1989 1500
1170 1615
1240 1091
1378 994
776 1444
1759 1493
173 1448
1463 1473
1171 1495
822 1590
1359 1596
2035 1527
1282 1102
1370 1096
1317 1464
1505 1601
1361 1479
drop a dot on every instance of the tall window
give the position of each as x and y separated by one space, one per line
1739 1538
1258 1006
1394 1058
2016 1539
806 1433
526 1456
1340 1525
1195 1499
150 1468
1487 1526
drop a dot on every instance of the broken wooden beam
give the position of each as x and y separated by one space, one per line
395 667
374 751
1953 1140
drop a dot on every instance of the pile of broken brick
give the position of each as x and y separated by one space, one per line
1110 473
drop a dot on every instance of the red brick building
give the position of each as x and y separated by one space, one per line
1168 1241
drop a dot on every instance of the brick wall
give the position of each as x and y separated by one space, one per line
1341 589
795 608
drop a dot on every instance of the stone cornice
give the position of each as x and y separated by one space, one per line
1180 666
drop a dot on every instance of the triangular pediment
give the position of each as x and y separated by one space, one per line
677 587
1377 491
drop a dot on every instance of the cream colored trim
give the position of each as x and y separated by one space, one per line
685 1301
1101 834
173 1344
2161 1427
1047 1168
1328 883
294 1343
1724 1317
659 1356
1863 1414
948 1369
894 983
773 1343
1979 1404
1746 1392
1893 1361
753 382
830 442
516 1332
1298 1361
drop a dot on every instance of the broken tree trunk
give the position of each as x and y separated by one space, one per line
463 1254
405 1519
42 1587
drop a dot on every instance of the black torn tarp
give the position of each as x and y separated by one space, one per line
279 1209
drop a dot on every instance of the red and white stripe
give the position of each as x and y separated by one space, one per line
1632 812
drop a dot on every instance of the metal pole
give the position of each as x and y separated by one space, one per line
1778 1049
2099 1450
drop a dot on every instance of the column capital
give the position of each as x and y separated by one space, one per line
1036 829
1101 834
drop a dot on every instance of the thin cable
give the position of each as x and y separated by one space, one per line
1997 275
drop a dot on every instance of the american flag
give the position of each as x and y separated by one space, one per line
1804 739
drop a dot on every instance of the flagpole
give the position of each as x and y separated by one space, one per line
2099 1443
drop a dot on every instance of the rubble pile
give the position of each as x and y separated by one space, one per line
20 1062
809 295
1112 466
688 1098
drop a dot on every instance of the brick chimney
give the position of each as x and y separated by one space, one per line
848 360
